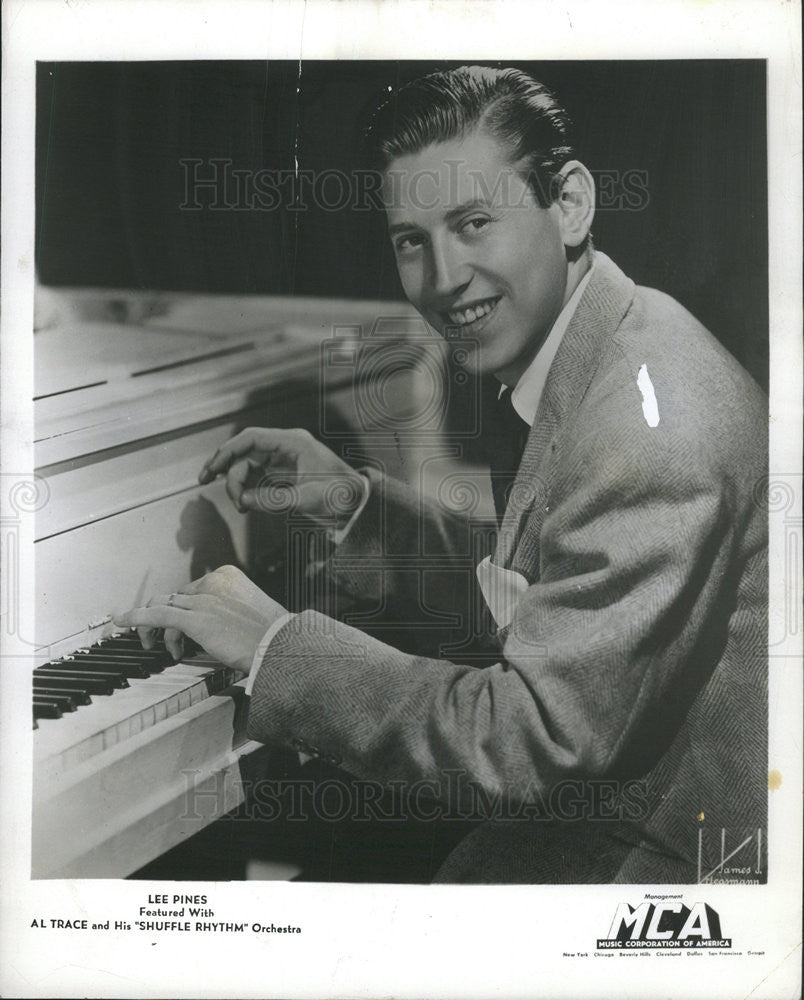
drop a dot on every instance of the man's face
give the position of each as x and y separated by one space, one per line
476 252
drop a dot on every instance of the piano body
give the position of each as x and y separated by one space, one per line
133 392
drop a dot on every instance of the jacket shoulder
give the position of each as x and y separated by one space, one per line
667 402
666 360
659 328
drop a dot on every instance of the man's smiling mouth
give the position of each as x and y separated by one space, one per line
470 314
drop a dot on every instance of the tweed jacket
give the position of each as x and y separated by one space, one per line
637 653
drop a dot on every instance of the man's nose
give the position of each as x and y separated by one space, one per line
450 271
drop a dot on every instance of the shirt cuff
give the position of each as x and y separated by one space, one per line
262 648
337 535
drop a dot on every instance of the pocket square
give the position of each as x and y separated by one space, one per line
501 590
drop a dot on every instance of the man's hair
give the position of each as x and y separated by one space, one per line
509 104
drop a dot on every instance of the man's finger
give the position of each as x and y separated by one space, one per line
174 643
147 637
262 439
236 479
158 616
159 599
237 447
172 638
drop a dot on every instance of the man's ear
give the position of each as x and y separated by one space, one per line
575 202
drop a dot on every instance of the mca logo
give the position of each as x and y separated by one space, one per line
665 925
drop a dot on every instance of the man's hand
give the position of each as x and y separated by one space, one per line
224 612
273 469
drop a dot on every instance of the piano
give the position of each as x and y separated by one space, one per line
133 391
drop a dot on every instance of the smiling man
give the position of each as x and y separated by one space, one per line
478 252
621 709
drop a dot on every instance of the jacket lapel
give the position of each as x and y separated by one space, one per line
607 298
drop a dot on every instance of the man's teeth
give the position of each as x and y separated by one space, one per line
460 317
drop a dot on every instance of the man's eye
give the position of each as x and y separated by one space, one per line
476 224
409 242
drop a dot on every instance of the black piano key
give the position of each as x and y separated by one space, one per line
78 696
65 702
159 657
143 655
132 646
156 659
44 709
128 668
99 653
152 666
90 683
219 680
133 642
62 682
83 671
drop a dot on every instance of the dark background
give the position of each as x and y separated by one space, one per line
110 138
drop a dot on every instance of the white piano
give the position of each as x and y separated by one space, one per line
133 754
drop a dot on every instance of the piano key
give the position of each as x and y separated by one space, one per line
88 683
130 653
128 668
131 641
62 682
85 670
133 650
129 635
65 701
134 644
77 696
46 709
153 666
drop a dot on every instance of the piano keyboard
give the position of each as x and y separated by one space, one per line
116 689
132 754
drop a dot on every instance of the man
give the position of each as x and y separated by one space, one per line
628 584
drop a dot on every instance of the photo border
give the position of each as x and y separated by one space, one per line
368 940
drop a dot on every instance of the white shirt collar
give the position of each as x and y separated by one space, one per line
528 391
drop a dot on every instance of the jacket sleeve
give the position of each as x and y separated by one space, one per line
605 653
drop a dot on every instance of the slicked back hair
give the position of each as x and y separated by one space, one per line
508 104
